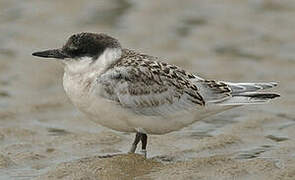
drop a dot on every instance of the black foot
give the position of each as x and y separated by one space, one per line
139 137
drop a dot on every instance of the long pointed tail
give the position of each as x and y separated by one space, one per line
248 93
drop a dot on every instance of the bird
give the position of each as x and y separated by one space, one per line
133 92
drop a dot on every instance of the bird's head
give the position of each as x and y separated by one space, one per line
84 50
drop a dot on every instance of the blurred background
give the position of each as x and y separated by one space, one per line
231 40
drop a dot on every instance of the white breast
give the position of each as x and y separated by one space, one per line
84 93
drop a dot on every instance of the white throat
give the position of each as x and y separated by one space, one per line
88 65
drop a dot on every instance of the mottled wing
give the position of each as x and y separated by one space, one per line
150 89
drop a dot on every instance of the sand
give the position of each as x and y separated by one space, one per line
43 136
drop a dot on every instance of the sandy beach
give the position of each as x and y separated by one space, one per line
44 137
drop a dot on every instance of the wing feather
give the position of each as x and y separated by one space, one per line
148 91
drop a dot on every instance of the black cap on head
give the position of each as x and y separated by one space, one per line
89 44
80 45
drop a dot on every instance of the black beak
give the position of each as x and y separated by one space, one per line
53 53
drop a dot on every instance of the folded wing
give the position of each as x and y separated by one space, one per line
150 92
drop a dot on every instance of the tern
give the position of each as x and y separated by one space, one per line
128 91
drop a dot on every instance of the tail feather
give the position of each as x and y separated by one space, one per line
259 95
248 93
249 98
238 88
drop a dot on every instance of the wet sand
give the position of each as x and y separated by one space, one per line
43 136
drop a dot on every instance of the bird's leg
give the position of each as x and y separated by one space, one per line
143 143
135 142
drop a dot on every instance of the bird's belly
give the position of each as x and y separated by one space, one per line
110 115
113 116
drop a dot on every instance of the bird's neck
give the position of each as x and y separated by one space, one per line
80 75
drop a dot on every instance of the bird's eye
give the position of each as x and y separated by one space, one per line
75 52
